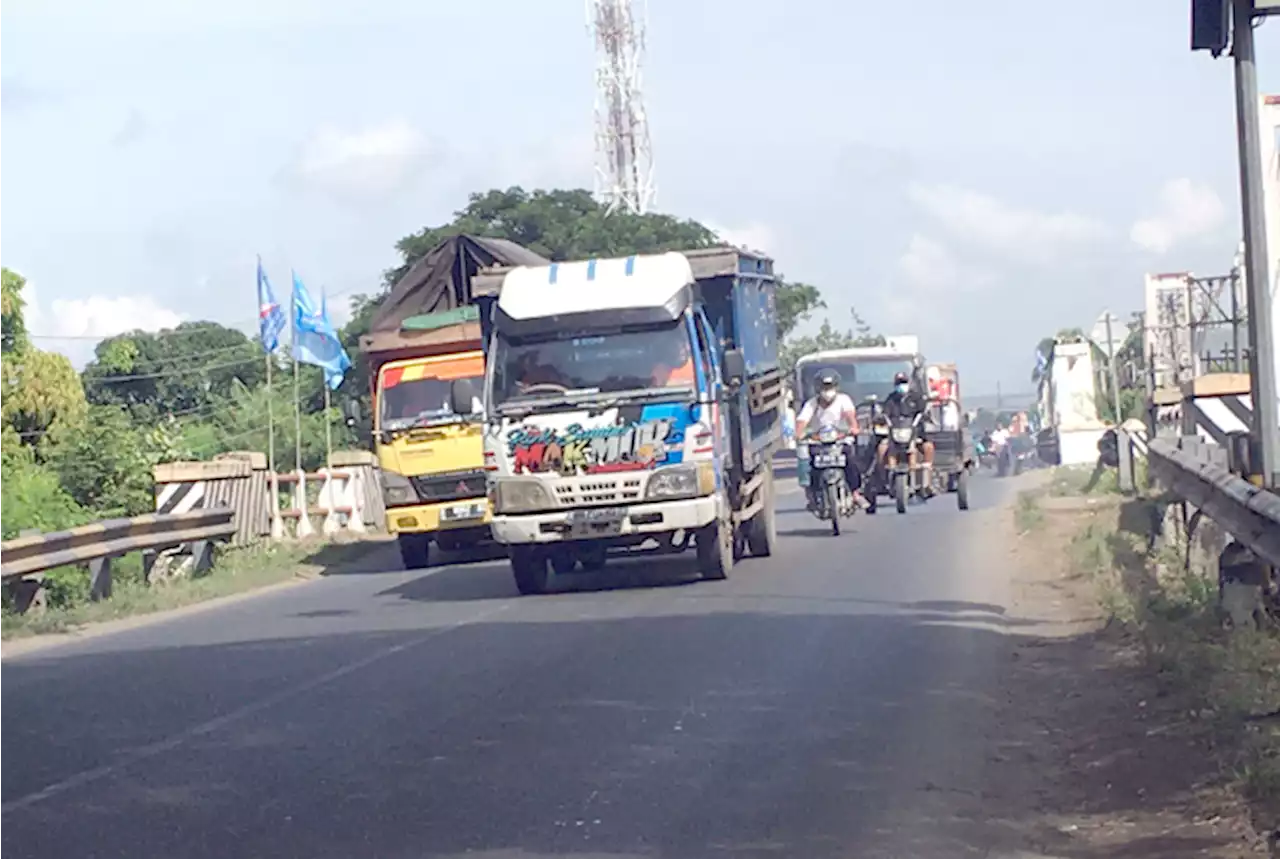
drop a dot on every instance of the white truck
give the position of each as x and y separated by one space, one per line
632 401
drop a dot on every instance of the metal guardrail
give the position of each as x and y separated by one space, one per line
98 542
1251 515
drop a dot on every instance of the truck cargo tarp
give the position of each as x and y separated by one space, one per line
441 280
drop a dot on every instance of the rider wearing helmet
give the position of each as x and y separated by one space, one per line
830 407
906 402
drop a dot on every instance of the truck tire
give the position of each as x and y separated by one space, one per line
715 550
762 530
529 566
415 550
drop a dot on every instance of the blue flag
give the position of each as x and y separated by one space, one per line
270 315
315 341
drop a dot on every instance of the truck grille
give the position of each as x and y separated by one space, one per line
588 491
449 487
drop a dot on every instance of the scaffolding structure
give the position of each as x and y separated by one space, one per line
623 151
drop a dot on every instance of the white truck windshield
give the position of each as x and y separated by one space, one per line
593 364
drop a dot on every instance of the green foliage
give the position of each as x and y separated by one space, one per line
33 497
14 335
828 337
187 369
105 463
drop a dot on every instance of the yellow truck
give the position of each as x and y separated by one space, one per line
425 341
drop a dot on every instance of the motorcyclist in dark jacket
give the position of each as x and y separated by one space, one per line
906 402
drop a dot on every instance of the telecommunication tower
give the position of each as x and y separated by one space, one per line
624 153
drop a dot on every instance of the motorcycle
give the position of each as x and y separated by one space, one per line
900 477
829 490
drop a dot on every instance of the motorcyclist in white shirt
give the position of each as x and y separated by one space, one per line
830 407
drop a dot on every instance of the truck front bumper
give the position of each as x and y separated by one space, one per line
658 517
428 518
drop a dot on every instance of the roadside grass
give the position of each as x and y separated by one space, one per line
1027 514
236 570
1227 682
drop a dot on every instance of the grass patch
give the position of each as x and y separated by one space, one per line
1229 681
236 570
1027 513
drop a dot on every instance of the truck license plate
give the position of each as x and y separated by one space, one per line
597 519
460 512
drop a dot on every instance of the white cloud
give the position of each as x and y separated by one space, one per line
929 266
1186 211
361 164
753 236
73 326
1024 235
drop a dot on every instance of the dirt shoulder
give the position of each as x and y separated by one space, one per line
1098 755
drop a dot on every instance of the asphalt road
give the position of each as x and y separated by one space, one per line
835 700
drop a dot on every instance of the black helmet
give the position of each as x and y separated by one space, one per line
901 379
828 379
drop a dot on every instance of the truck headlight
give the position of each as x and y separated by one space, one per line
520 495
397 490
902 435
681 481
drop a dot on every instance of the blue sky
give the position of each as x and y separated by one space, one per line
978 177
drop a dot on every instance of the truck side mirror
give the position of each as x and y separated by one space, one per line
462 397
735 368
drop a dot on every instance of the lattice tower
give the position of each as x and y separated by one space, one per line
624 152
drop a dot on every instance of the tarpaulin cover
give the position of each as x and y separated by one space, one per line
441 280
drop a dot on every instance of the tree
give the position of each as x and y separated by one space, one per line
105 463
183 370
37 389
559 225
828 337
796 302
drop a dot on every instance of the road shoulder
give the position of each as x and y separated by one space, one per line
1094 759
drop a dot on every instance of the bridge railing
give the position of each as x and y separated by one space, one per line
1198 474
24 559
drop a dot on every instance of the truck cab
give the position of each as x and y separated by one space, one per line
615 416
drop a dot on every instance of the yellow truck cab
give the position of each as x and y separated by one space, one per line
425 341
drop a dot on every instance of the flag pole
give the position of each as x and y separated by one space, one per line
297 385
328 428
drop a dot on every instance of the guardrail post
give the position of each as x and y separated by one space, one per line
100 579
201 557
304 527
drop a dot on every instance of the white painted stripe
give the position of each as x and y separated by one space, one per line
1219 415
193 499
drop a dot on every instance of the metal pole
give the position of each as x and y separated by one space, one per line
1266 433
1115 384
1238 358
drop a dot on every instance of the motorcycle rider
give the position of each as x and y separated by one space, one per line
831 407
905 402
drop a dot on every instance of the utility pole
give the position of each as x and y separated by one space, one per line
1262 355
1209 32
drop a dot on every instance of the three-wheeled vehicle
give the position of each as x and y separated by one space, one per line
954 454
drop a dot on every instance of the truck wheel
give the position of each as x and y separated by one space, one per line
715 550
762 530
530 569
415 550
594 557
962 489
563 561
900 491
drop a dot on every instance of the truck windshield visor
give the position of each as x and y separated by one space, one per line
418 395
589 366
859 377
